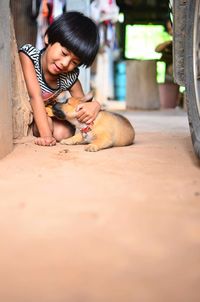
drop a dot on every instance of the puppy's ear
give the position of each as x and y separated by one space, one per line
87 98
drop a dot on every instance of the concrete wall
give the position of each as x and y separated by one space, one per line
142 89
6 134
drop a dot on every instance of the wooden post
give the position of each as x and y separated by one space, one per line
22 114
25 26
6 134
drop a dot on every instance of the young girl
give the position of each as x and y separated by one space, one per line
71 40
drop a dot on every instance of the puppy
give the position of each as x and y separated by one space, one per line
108 130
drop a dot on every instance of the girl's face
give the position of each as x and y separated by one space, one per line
57 59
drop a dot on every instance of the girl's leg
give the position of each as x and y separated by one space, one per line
62 129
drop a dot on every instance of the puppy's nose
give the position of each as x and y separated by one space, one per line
57 111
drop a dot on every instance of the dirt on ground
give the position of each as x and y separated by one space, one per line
118 225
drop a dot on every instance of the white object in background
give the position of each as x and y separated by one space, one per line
104 80
82 6
58 6
105 10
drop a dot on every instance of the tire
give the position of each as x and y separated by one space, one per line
192 70
179 23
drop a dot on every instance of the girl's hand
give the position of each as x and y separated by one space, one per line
87 112
45 141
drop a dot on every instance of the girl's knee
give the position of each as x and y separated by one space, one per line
63 132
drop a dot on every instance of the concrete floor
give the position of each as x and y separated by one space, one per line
119 225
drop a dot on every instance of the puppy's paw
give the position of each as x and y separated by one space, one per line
67 141
92 148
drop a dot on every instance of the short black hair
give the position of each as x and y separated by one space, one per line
76 32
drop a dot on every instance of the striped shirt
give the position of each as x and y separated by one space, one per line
64 81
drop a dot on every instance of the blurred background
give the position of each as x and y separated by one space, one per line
133 68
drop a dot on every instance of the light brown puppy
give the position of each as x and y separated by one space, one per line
108 130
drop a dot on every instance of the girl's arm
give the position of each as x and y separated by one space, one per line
37 103
86 112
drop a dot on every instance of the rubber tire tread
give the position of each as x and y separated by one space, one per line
179 23
193 114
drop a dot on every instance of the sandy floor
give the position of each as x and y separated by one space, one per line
119 225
